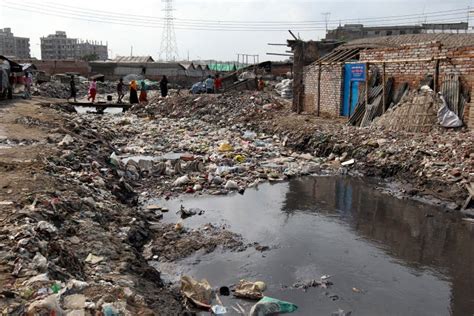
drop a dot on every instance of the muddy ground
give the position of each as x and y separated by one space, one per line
70 215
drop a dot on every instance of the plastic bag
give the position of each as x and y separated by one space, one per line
270 306
448 118
224 147
199 292
251 290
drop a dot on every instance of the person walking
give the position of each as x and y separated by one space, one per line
164 86
27 83
209 84
261 84
72 86
133 92
143 96
217 84
92 91
120 90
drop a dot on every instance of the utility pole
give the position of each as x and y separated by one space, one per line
326 19
168 48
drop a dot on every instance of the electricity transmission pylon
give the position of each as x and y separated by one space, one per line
168 48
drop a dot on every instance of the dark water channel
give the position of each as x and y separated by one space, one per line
407 258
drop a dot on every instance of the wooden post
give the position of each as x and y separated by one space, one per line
384 93
436 76
319 87
366 85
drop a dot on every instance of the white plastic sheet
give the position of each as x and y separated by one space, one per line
448 118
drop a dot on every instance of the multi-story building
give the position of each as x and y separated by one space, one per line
59 46
13 46
91 49
350 32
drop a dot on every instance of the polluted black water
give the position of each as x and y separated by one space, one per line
385 256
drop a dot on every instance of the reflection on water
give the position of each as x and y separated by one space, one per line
419 235
409 258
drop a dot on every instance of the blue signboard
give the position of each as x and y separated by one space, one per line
357 72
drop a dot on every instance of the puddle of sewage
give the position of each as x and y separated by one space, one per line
406 257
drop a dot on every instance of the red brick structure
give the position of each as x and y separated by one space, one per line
407 58
52 67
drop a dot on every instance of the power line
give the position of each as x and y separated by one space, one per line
141 18
120 21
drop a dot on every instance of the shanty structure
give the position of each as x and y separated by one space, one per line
378 71
184 74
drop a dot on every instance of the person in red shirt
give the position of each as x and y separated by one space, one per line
217 83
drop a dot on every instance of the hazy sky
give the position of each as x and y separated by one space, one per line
77 19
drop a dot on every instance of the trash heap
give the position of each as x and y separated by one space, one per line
200 295
222 109
196 156
74 245
61 90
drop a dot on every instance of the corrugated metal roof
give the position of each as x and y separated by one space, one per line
188 66
445 39
133 59
167 66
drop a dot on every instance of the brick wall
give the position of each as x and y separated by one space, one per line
409 63
331 89
458 61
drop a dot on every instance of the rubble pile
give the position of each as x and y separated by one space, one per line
81 243
68 246
74 246
222 109
439 163
188 155
174 242
60 90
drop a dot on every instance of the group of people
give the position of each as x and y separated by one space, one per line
134 98
213 85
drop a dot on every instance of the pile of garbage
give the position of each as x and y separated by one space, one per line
74 245
441 159
195 157
62 90
439 163
285 88
222 109
201 296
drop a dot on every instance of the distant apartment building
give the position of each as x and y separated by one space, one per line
59 46
13 46
350 32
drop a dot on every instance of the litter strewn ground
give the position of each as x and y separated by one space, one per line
74 236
